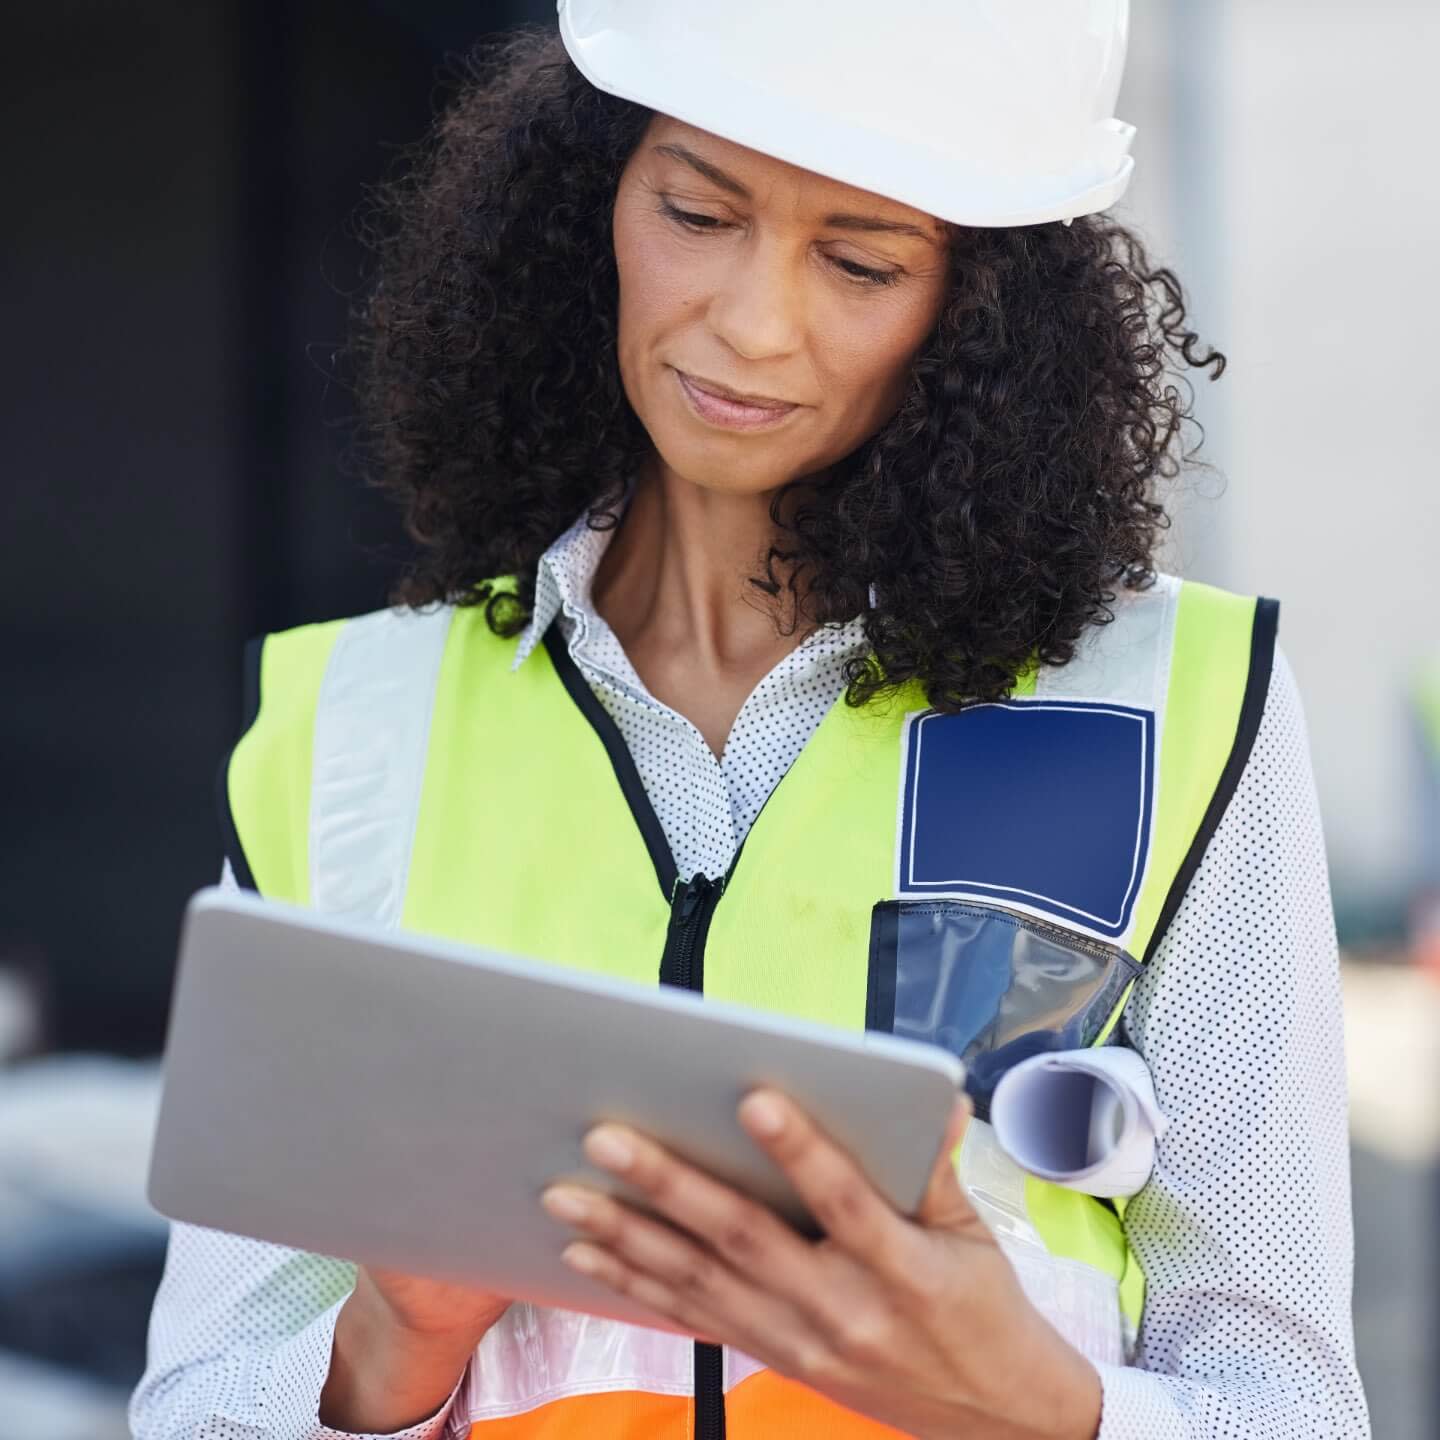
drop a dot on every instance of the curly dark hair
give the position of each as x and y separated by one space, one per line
995 513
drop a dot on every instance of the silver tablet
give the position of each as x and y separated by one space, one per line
402 1101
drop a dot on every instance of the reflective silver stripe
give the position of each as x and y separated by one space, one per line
736 1366
1126 662
372 730
1079 1300
534 1356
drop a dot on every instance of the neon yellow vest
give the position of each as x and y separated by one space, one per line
399 769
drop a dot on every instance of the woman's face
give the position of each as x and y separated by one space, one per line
768 316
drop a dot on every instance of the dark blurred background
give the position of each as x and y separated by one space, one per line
177 260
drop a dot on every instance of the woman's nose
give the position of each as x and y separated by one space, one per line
759 308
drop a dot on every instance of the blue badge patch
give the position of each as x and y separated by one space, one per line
1040 803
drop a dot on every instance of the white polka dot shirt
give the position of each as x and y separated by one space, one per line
1244 1229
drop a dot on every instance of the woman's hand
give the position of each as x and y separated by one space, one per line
401 1343
917 1323
422 1306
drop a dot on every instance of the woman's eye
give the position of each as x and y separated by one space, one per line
690 219
865 274
693 220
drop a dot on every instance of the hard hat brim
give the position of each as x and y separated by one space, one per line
913 174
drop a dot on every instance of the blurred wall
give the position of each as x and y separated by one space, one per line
1331 208
119 489
1286 167
173 264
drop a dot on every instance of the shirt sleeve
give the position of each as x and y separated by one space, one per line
1244 1229
240 1340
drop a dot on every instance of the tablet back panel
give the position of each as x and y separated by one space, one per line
402 1101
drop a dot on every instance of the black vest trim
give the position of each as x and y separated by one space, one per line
631 785
1252 709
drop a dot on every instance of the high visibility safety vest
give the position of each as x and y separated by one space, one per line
991 881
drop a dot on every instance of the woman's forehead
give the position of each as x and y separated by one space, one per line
758 175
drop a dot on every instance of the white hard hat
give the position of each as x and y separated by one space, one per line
980 112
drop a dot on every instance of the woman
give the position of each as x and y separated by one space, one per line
758 458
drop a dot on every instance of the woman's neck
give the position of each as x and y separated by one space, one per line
674 586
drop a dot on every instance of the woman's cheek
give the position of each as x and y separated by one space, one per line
866 358
662 270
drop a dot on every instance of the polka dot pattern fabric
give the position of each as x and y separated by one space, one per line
1244 1229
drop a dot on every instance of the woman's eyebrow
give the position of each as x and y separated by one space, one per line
713 173
874 223
839 221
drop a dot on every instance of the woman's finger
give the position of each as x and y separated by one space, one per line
599 1264
744 1234
852 1213
648 1245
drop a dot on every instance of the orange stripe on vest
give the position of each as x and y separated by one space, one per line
618 1415
763 1407
768 1405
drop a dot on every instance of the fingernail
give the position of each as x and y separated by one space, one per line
762 1116
567 1204
581 1258
609 1149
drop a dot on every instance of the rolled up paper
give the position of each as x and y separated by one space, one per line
1084 1119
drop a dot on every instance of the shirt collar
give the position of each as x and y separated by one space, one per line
562 582
566 573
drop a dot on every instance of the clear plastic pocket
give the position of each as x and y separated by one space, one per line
990 985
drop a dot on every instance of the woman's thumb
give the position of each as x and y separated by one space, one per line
945 1205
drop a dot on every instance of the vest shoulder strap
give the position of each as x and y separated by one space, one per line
1222 656
1197 659
318 798
1126 662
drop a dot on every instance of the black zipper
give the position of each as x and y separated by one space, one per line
683 962
683 965
709 1393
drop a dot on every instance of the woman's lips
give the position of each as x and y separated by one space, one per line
731 414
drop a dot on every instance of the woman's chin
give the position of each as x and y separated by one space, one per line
731 479
722 468
730 465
